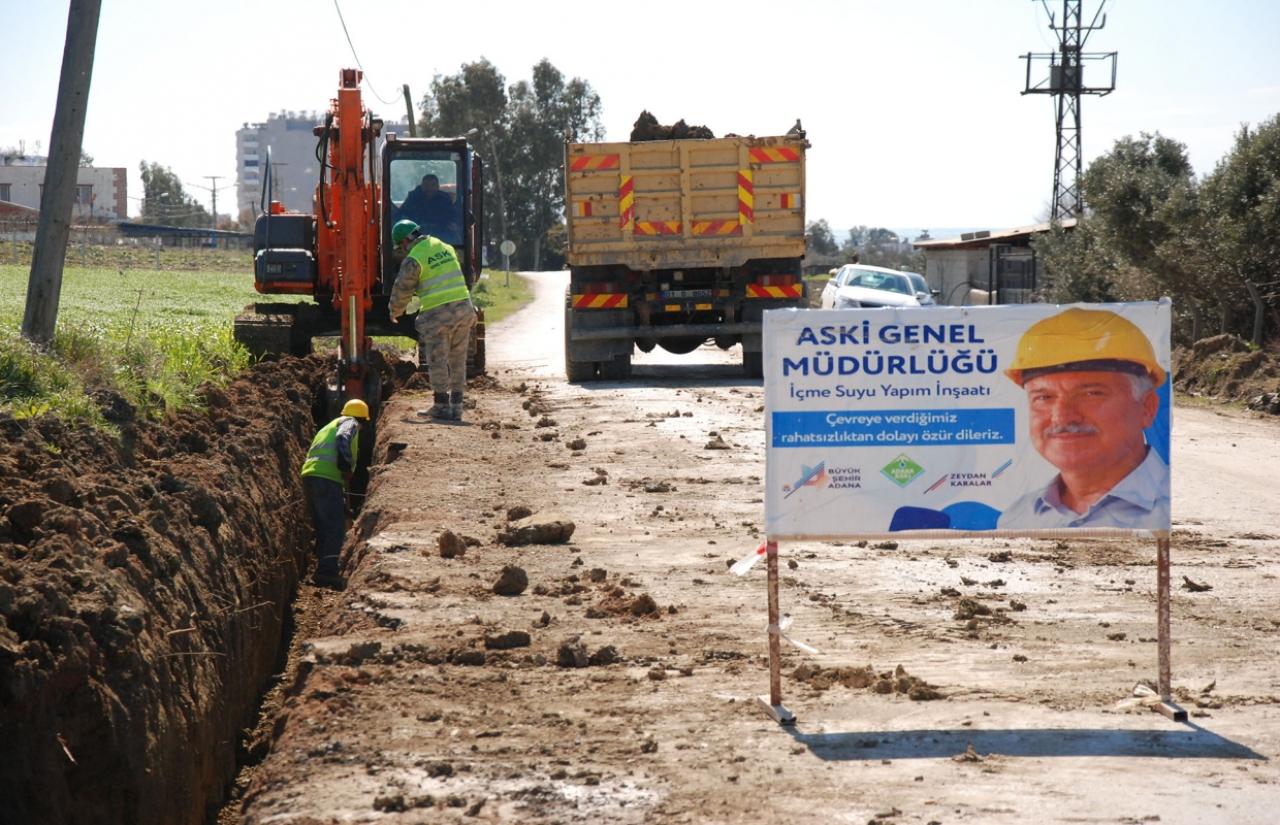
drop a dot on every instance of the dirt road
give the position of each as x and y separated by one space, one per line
619 686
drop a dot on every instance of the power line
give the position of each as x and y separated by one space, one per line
367 81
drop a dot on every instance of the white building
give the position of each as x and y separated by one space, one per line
293 159
101 192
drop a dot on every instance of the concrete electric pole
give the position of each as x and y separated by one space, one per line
1066 83
45 283
213 189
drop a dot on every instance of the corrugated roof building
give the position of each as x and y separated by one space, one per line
985 267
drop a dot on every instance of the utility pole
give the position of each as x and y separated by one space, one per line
408 107
214 191
1066 83
44 286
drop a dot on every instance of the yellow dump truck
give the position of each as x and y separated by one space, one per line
675 242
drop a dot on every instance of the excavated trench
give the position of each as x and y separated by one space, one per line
146 591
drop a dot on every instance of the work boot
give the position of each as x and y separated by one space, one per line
440 409
455 406
329 575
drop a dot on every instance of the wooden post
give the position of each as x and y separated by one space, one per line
45 283
773 704
1164 679
408 107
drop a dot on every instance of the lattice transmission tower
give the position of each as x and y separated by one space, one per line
1065 80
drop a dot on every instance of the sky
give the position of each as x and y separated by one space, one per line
913 109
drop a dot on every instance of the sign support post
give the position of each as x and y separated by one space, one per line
1164 680
773 704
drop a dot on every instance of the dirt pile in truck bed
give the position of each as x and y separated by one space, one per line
144 588
647 127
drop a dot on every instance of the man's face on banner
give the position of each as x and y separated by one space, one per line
1088 422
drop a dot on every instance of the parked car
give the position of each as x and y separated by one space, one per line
856 285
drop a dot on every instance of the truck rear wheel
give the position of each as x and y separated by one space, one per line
575 372
753 364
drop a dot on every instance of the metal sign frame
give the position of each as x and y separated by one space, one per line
773 702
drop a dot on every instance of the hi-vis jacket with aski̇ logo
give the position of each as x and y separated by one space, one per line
432 272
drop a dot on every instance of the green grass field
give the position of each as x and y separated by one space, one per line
499 300
155 337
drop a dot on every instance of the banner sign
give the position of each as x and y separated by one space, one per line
1028 419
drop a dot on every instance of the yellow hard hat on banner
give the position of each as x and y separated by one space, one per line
1082 340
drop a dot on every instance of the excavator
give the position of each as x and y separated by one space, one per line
341 255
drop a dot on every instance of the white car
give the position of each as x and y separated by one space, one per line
855 285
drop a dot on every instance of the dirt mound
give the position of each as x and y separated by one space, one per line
1227 368
865 678
143 594
647 127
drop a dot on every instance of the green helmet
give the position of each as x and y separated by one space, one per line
402 230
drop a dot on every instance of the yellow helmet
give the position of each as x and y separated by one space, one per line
356 409
1084 339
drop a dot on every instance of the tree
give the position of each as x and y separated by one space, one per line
819 240
520 131
164 201
1142 195
1076 267
1242 223
852 246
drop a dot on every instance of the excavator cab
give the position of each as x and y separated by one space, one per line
436 183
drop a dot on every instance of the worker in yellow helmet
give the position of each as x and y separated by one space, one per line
330 461
1091 377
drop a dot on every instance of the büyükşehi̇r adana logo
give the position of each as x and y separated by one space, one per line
815 476
902 470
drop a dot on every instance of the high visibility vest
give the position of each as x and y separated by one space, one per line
322 457
441 281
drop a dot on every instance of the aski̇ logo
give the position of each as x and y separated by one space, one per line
809 477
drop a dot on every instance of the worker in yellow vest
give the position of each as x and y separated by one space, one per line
431 272
330 461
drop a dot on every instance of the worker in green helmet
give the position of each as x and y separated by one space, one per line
330 461
431 271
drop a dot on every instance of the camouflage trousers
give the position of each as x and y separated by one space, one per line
445 333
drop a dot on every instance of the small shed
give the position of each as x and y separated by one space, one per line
985 267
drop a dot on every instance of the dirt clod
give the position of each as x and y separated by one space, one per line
572 653
507 641
542 528
451 545
1195 586
606 655
971 608
512 581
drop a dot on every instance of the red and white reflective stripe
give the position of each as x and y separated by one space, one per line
762 291
600 300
